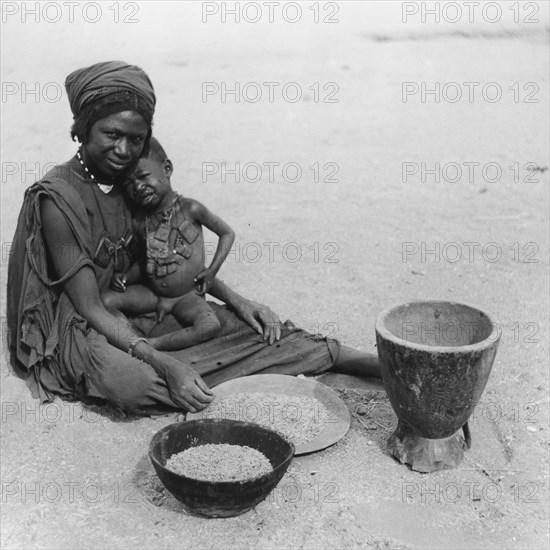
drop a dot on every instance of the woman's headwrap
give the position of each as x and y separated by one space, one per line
106 88
102 79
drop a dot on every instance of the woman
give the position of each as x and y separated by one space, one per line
74 232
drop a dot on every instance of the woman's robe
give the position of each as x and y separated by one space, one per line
55 350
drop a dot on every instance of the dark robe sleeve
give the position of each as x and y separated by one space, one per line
32 295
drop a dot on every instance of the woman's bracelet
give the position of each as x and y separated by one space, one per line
134 342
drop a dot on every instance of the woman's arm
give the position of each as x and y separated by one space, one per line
186 387
82 287
259 317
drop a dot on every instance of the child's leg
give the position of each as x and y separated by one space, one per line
137 300
191 311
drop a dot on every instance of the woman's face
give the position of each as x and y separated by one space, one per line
114 143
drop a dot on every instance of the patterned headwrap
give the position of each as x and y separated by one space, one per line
105 88
102 79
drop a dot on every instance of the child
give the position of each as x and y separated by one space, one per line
169 226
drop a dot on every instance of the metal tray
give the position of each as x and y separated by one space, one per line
337 424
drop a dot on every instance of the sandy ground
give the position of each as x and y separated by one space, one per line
75 477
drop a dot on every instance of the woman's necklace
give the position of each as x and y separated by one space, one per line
110 243
105 188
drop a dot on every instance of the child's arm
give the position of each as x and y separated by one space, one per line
226 236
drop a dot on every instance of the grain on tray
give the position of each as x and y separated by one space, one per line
221 462
298 417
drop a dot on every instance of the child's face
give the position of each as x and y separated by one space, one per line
148 184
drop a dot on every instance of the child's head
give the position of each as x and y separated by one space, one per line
149 183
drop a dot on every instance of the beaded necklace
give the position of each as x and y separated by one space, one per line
108 243
105 188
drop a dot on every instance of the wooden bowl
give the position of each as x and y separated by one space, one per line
219 499
436 358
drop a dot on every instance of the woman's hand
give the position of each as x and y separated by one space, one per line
260 318
185 386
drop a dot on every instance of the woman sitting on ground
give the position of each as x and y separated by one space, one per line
74 232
